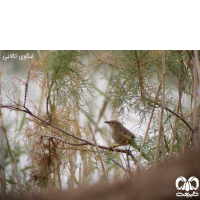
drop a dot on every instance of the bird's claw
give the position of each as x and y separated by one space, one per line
113 147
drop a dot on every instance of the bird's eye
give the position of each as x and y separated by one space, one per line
111 122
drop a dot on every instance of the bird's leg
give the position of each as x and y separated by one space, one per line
112 147
128 149
127 153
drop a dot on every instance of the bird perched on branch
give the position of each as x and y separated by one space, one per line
123 136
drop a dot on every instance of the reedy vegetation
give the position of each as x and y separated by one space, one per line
60 144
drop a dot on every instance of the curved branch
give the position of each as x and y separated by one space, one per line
86 142
174 113
181 118
69 143
121 166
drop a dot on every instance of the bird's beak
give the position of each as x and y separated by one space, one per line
107 122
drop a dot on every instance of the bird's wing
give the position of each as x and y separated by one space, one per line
128 133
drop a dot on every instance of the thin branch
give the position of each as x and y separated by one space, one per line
174 113
68 143
196 63
26 110
147 131
118 164
13 163
96 145
26 85
48 97
132 156
140 74
162 109
174 131
195 113
128 162
181 118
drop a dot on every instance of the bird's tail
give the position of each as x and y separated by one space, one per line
135 146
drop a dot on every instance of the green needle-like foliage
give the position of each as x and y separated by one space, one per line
66 78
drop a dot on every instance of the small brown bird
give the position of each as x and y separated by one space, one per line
122 135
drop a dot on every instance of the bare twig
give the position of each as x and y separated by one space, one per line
13 163
162 109
181 118
195 113
96 145
132 156
174 132
140 74
48 97
174 113
118 164
26 85
68 143
151 117
128 162
196 63
26 110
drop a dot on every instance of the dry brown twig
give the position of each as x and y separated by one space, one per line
96 145
117 163
162 111
22 108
